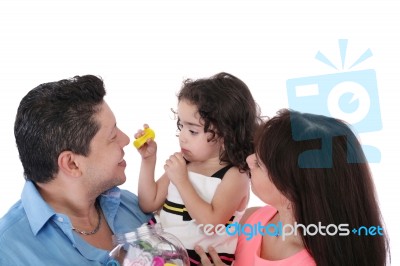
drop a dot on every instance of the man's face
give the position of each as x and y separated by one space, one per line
104 167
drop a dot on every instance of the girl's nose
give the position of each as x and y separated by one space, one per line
181 137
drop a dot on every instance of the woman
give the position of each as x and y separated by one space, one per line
312 173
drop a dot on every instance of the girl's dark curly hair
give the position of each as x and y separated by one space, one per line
228 110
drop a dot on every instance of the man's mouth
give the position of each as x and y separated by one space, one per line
122 163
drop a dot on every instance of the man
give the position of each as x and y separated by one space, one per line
72 154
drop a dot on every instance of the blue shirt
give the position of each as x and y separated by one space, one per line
32 233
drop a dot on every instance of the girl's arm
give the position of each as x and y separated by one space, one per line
151 194
230 196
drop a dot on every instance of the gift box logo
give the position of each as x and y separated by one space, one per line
351 96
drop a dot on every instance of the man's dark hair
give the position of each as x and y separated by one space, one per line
55 117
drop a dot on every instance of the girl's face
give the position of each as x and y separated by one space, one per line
192 138
262 186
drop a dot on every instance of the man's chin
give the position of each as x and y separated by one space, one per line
117 182
120 180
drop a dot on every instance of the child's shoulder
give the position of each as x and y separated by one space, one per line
235 171
233 174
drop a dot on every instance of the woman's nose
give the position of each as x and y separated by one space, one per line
250 159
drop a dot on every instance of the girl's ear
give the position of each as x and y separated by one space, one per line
67 163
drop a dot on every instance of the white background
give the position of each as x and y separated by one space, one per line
144 49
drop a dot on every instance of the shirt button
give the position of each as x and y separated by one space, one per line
60 219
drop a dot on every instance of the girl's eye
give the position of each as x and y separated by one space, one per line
193 132
179 125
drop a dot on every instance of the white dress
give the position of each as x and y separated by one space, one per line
177 221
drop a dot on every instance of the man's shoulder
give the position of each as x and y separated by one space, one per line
128 195
124 200
12 220
130 200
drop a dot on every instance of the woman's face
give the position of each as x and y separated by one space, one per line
261 184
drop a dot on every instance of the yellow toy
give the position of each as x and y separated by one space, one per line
148 134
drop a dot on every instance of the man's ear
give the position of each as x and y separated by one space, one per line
67 163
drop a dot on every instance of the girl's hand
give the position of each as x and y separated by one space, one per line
149 149
205 261
175 168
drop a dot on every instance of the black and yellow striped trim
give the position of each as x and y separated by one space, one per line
178 209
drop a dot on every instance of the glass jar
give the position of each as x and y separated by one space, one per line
148 245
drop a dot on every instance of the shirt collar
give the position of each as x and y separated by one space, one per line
39 211
109 202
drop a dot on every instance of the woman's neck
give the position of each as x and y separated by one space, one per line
281 246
